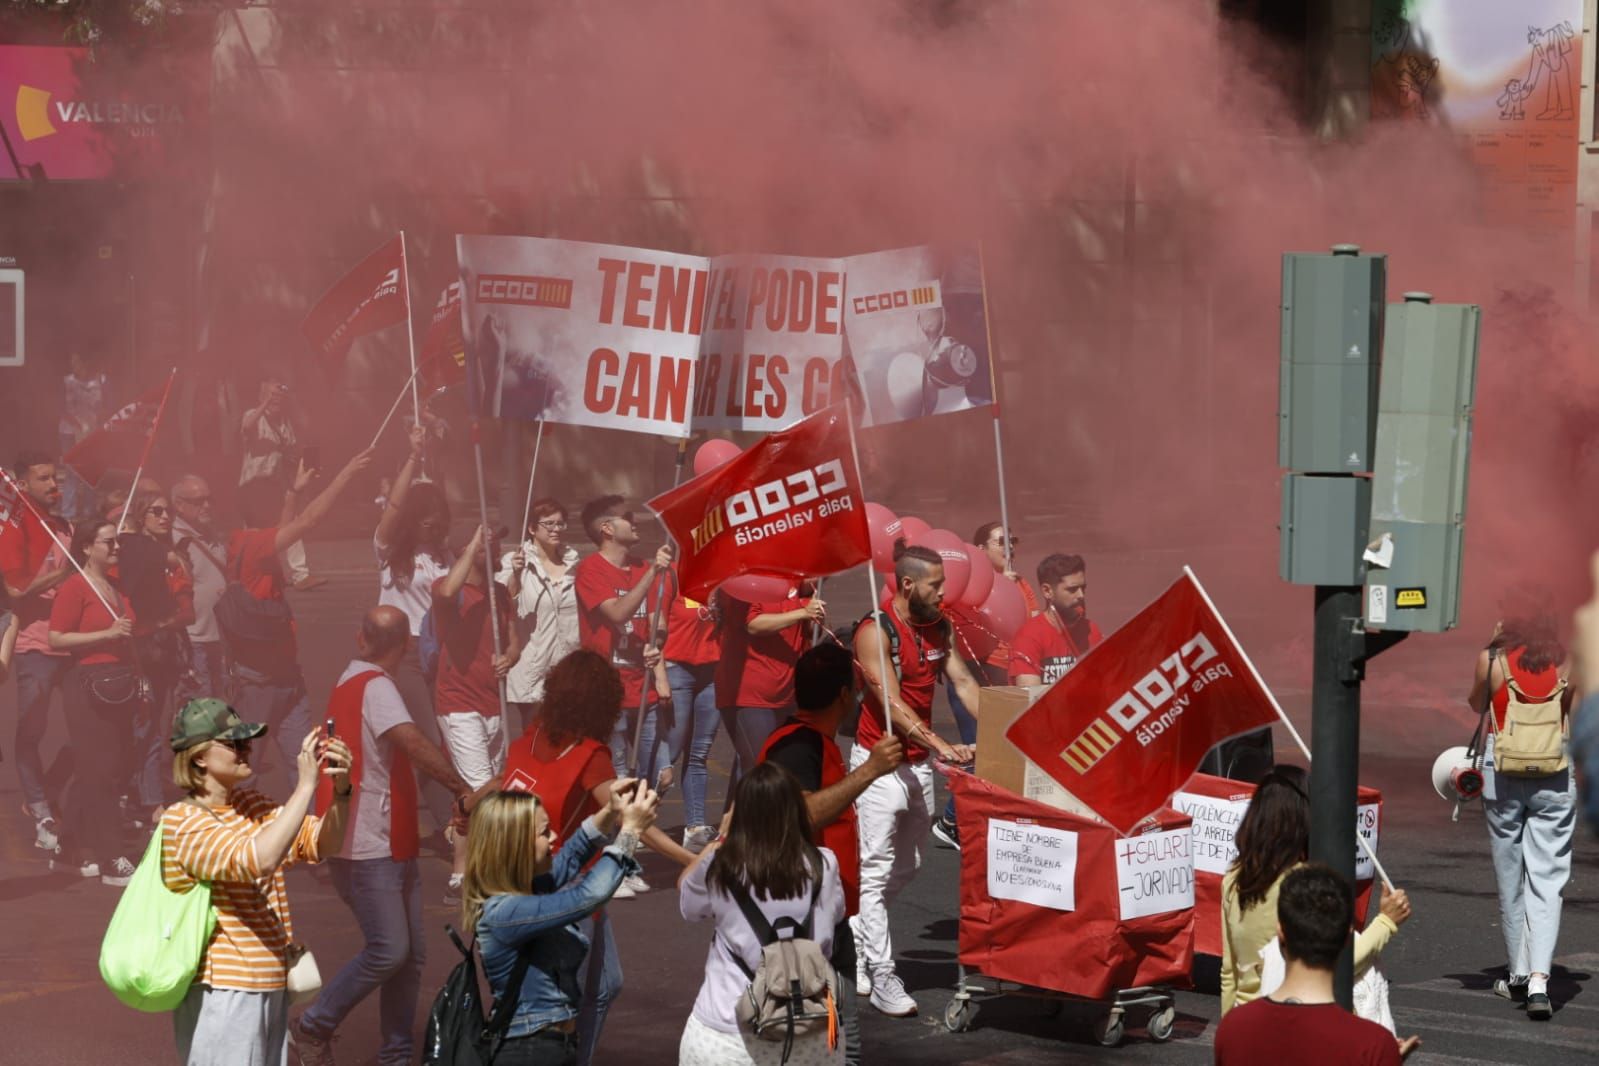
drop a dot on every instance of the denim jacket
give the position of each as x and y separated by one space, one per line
545 926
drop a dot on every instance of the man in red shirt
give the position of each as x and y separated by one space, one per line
34 566
1053 641
824 689
895 812
1315 912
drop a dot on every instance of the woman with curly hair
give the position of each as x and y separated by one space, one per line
565 759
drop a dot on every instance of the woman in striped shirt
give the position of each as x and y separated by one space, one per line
237 1011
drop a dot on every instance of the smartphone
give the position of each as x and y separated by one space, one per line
327 729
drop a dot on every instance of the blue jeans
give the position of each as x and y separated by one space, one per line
601 978
207 674
651 741
1530 826
286 709
386 898
748 727
38 675
692 727
966 723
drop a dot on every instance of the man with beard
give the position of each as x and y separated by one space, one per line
1053 641
913 638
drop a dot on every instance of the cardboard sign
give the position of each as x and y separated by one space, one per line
1033 864
1368 822
1155 873
1216 823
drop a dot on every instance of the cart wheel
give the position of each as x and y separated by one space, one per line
1108 1030
1161 1023
959 1014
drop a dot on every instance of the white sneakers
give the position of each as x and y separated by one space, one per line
45 837
452 891
698 838
83 869
120 872
889 995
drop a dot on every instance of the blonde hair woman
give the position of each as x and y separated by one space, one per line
520 900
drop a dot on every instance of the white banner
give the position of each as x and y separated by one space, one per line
1155 873
1032 863
1368 822
1216 823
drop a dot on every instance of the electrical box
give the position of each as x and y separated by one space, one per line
1331 343
1323 528
1419 476
13 311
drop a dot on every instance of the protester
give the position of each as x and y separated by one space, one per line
413 551
33 560
614 598
240 842
761 642
564 758
92 621
83 409
896 812
204 551
824 692
1273 839
522 903
376 872
768 859
268 684
1530 818
541 575
1053 641
692 648
990 537
1314 911
272 450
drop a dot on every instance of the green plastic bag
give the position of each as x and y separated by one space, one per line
156 938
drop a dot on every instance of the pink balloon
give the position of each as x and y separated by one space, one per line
911 527
884 527
757 588
714 453
981 582
1004 609
957 567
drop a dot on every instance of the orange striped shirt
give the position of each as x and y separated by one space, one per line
249 951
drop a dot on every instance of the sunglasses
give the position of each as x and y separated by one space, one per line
198 501
158 511
556 527
1001 540
238 747
110 542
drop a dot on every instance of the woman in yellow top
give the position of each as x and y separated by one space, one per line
1273 838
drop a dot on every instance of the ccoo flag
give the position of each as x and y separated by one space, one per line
123 443
1130 724
369 298
790 505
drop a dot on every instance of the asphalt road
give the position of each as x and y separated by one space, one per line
53 1008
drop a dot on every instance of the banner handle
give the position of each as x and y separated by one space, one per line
410 332
27 501
993 387
659 624
1281 714
527 508
144 457
392 408
488 550
871 579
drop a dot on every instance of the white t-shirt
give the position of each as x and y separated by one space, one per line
209 581
381 710
546 612
414 597
724 981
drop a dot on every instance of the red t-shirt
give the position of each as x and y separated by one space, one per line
1532 685
562 776
1042 648
923 652
466 681
596 581
76 609
1260 1033
758 671
253 556
24 552
691 635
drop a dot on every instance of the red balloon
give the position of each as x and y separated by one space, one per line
757 588
957 567
981 582
884 527
1004 609
714 453
973 638
911 527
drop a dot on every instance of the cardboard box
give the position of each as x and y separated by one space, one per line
1001 763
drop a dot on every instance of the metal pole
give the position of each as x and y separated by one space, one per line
658 625
488 554
527 508
410 331
1004 508
1335 736
871 586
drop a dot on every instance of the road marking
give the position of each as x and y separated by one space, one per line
38 991
1454 1023
1448 987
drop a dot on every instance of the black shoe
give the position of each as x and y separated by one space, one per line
1539 1008
945 833
1510 988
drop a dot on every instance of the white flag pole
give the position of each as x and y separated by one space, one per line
527 508
488 556
993 388
27 502
392 408
410 329
871 582
144 456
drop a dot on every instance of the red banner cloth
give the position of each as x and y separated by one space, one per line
121 443
1213 848
369 298
1090 951
441 362
1133 720
790 505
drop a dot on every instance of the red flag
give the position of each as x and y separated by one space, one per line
442 360
1130 724
790 505
369 298
123 442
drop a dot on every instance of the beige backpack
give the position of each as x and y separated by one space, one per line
1533 740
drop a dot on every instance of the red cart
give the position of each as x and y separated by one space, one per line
1057 906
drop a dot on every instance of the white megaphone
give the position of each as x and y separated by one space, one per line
1455 777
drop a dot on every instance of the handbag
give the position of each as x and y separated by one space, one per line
156 938
305 980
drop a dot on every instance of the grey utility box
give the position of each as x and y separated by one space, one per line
1418 495
1324 528
1331 343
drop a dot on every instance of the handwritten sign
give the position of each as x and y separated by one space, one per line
1367 823
1032 863
1155 873
1216 823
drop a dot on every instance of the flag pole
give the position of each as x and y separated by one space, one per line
27 501
527 508
488 553
871 581
1281 714
409 384
410 329
993 387
658 624
144 457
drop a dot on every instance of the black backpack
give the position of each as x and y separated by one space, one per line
457 1035
845 635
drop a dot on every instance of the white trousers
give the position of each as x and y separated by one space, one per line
703 1046
476 743
893 818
